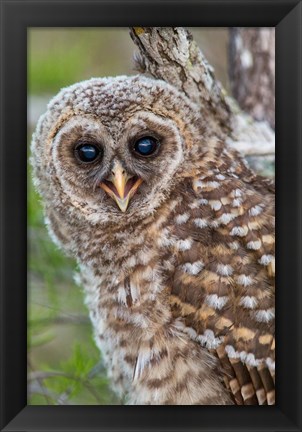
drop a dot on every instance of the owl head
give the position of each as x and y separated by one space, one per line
111 150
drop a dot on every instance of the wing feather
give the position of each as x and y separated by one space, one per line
223 286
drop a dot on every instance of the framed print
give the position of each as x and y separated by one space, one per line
122 166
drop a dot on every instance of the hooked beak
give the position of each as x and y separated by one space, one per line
120 186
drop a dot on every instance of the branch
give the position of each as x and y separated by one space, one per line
170 54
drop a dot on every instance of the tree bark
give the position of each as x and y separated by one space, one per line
252 71
170 54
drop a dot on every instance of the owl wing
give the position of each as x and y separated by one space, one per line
223 286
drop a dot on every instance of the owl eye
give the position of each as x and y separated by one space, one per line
87 152
146 146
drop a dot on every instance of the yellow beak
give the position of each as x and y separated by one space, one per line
120 186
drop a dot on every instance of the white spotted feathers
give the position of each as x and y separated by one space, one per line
180 284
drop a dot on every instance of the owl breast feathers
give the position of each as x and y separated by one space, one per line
174 237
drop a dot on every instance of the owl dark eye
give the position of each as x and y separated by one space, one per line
146 146
87 152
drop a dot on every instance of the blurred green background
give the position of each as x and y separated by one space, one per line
64 366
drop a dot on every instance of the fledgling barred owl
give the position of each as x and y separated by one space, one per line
174 237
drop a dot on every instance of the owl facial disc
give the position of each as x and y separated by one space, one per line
121 186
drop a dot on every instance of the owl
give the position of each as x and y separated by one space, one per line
174 239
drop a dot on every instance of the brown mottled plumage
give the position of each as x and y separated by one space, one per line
179 278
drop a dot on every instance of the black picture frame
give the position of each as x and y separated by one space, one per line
16 17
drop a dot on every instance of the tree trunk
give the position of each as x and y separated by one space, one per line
170 54
252 71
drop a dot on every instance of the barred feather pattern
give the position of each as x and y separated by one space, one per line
180 288
208 284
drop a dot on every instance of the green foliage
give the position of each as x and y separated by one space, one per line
47 72
72 383
60 57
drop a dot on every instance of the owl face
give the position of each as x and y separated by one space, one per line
122 167
111 150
